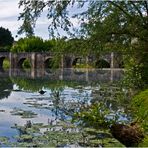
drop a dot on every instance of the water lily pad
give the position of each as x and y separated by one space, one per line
23 113
4 140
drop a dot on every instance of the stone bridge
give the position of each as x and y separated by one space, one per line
41 60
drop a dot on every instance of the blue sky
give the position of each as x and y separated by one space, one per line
9 13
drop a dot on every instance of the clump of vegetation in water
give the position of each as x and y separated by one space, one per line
60 134
47 135
23 113
107 115
4 140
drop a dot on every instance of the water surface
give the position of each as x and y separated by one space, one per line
66 91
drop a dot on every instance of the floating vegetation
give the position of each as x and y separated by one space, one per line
39 105
4 140
53 135
92 102
60 134
34 104
23 113
38 98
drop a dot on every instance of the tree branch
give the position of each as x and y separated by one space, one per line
146 6
120 8
140 13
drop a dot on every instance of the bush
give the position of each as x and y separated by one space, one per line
136 74
6 64
140 105
26 64
32 44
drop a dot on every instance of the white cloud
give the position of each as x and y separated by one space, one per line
9 8
9 13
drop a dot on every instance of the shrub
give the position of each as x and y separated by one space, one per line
32 44
140 105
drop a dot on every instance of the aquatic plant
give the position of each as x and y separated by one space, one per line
23 113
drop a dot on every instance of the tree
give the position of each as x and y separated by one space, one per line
58 12
6 39
107 25
32 44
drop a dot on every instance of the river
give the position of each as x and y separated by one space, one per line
48 100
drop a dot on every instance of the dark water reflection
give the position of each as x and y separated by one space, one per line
67 90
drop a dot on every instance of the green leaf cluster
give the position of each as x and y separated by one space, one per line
140 106
32 44
6 40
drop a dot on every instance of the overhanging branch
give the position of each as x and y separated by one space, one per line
120 8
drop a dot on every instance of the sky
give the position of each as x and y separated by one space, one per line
9 13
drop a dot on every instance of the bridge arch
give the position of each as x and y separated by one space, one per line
4 59
121 64
21 62
75 61
1 62
78 60
102 63
48 63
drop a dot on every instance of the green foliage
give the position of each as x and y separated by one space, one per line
69 46
119 26
105 112
26 64
52 135
104 18
133 77
6 64
136 65
144 143
83 66
63 133
77 46
4 140
37 84
140 107
93 116
33 9
6 39
32 44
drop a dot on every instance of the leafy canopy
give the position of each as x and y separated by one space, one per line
115 15
106 25
32 44
6 39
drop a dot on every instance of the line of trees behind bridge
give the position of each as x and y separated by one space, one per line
37 44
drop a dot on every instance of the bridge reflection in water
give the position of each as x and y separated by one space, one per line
105 75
